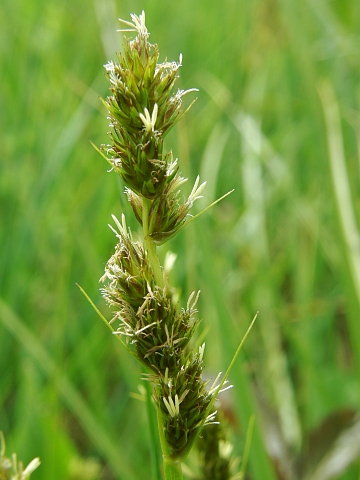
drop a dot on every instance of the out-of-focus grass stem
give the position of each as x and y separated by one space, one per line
342 196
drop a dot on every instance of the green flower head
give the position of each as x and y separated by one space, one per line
142 109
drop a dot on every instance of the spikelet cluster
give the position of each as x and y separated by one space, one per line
216 458
143 106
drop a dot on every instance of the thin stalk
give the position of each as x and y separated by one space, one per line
150 245
172 469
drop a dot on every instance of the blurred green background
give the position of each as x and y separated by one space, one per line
277 119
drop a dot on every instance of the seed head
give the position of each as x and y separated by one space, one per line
143 107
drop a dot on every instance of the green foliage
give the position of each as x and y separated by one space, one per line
278 244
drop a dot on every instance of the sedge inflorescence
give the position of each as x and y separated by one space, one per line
143 107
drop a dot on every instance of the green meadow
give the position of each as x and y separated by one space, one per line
277 119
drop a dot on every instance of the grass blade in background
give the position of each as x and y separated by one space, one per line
346 216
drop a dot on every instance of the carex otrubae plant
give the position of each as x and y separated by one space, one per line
143 106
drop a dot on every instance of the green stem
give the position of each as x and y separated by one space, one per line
172 469
151 246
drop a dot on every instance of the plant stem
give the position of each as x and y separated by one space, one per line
150 245
172 469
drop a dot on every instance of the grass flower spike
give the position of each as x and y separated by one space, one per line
143 106
142 109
